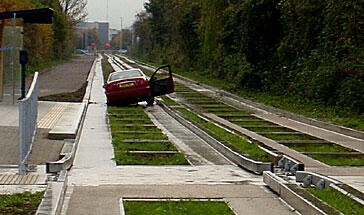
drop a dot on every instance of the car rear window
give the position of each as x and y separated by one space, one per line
125 75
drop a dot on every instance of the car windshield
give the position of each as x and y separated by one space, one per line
125 75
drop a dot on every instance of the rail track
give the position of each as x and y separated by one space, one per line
290 145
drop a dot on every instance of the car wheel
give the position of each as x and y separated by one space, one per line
108 102
150 101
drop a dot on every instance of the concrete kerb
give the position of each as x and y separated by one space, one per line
279 186
54 196
322 181
240 160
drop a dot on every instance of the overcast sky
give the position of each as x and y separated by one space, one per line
117 8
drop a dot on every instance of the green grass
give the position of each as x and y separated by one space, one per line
106 68
334 160
144 147
271 129
319 148
253 123
239 143
177 208
309 108
289 137
169 101
122 157
21 203
338 200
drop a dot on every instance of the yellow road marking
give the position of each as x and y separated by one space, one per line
50 118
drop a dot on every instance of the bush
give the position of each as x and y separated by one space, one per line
351 94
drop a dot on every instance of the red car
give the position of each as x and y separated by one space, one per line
130 86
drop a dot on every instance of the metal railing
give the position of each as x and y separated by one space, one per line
28 115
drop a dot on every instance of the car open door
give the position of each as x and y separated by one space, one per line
163 85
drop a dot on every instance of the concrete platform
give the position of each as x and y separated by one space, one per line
68 123
62 118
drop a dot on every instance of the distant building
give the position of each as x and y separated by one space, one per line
113 33
101 27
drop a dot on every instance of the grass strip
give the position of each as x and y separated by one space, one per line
106 68
334 160
319 148
289 137
122 157
145 147
177 208
125 158
169 101
20 203
337 200
239 143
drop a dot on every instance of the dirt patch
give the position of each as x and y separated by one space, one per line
76 96
67 77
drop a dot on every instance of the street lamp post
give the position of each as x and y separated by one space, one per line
121 33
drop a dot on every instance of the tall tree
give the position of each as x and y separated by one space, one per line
74 9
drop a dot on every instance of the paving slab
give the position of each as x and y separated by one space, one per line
242 198
11 182
209 174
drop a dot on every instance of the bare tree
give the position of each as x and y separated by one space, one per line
74 9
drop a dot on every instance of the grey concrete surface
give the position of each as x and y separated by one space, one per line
244 199
196 149
44 149
68 124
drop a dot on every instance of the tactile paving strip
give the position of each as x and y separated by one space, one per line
14 179
50 118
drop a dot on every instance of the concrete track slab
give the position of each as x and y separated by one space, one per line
187 141
330 136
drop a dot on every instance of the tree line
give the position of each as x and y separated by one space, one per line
47 43
311 49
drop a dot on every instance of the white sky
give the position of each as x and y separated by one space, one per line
117 8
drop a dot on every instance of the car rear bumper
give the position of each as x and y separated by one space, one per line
135 94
